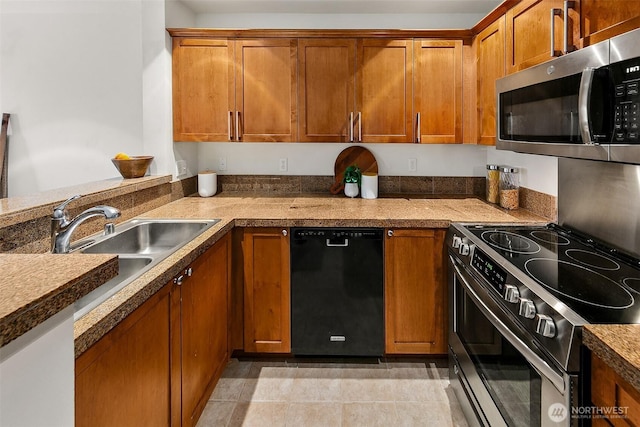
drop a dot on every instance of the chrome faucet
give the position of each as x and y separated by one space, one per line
62 227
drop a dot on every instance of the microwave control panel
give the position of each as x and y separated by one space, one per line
626 79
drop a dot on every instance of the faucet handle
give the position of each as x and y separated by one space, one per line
60 210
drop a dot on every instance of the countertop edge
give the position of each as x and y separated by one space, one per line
37 311
604 341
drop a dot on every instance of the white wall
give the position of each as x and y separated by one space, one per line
86 79
338 21
71 77
538 173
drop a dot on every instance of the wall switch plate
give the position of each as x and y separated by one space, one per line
413 165
282 165
222 163
181 167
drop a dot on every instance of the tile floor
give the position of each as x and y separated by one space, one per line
348 393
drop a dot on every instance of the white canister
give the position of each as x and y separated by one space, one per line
207 183
369 185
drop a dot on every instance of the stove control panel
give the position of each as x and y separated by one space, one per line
490 271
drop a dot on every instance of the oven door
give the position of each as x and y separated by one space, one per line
500 377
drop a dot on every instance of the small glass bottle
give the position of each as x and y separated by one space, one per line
509 187
493 183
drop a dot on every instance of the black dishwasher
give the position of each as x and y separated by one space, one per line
337 292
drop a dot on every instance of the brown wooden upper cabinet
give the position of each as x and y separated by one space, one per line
489 46
538 30
384 85
242 90
437 90
529 25
355 90
602 19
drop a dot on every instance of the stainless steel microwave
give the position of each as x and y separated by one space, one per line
585 104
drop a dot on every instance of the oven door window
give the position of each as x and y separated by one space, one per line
513 384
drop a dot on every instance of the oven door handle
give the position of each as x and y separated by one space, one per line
540 365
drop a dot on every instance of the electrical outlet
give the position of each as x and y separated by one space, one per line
413 165
181 167
282 165
222 163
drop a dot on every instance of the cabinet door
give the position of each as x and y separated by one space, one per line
489 46
438 90
266 99
124 378
609 390
384 90
603 19
267 313
327 89
203 328
415 292
529 33
203 90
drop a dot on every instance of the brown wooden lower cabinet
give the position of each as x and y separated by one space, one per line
124 379
415 292
159 366
267 313
203 328
610 391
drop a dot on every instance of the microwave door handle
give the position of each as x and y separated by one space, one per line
536 361
584 96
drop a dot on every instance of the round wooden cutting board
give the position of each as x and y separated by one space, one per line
354 155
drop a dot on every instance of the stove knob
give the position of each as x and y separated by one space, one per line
527 308
456 241
464 249
511 294
545 326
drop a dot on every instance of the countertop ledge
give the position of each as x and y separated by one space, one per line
37 286
617 346
267 210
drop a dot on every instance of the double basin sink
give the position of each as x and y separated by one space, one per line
140 244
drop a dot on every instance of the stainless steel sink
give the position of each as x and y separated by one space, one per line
148 238
128 269
140 244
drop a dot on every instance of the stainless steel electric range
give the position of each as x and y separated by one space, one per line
519 297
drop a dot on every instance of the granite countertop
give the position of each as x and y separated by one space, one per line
617 346
246 210
35 287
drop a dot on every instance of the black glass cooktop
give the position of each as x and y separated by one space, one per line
598 283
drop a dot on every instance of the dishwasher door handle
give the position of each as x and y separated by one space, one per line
338 245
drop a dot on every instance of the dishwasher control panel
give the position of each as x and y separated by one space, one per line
337 233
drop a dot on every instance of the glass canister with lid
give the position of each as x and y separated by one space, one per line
509 187
493 183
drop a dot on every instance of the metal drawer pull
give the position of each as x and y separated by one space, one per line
338 245
229 125
565 45
554 13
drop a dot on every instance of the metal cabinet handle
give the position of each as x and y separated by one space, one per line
554 13
188 272
351 127
238 136
565 39
178 280
390 233
359 126
419 131
284 233
229 125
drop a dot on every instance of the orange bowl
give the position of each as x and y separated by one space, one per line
135 167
